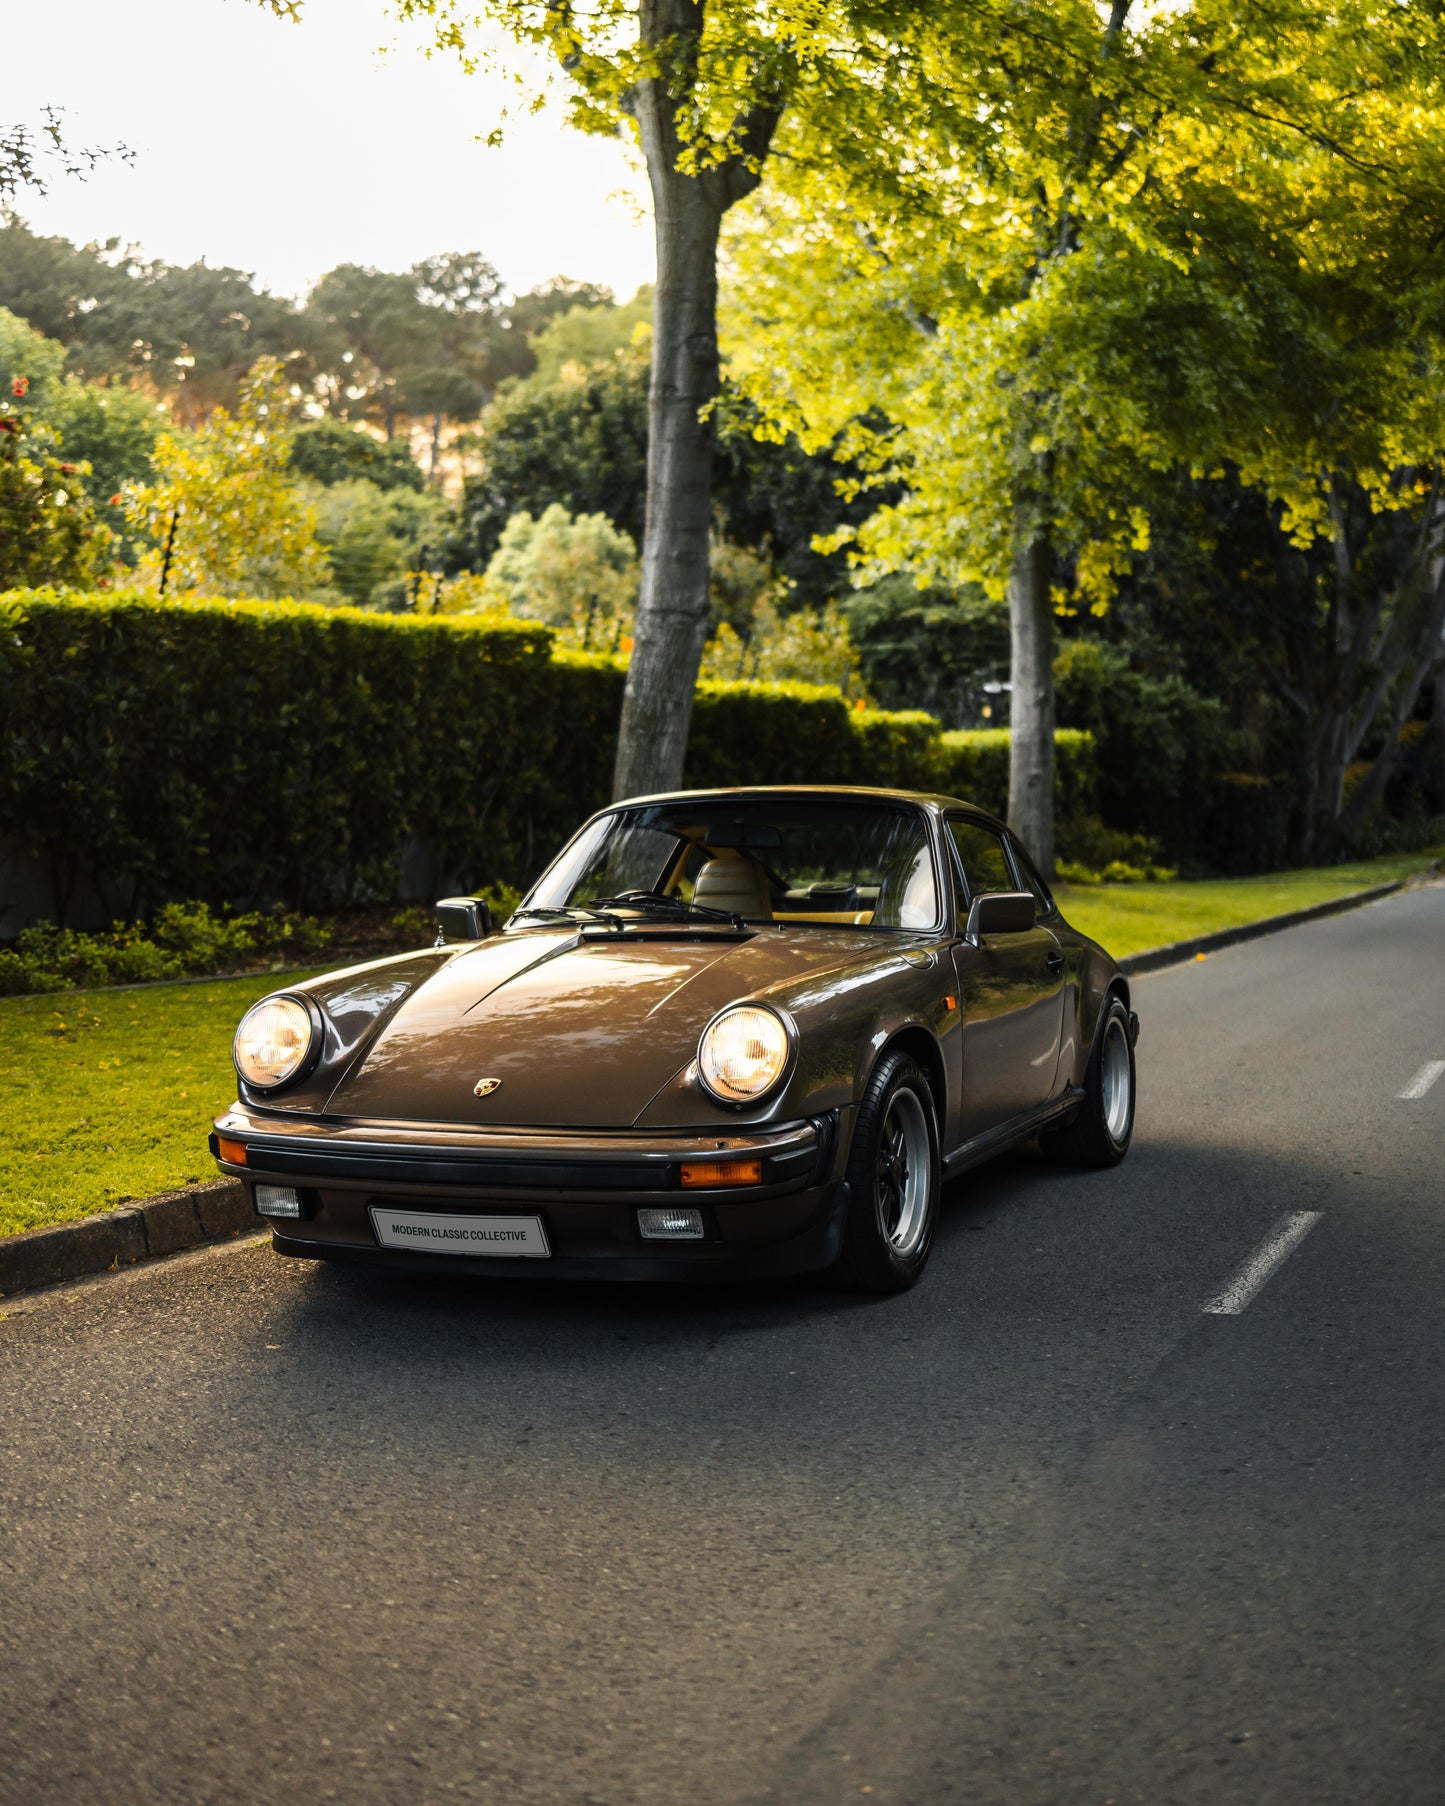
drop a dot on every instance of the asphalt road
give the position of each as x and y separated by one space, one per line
1043 1530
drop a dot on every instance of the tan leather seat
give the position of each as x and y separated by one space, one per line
737 885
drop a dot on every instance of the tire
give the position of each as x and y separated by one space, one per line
1100 1132
894 1178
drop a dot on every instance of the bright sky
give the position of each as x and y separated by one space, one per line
286 149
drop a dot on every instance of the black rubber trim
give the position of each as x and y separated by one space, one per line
826 1127
1022 1128
436 1169
290 1158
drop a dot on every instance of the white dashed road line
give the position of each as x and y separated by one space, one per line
1423 1080
1271 1254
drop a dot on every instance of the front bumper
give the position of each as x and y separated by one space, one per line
587 1187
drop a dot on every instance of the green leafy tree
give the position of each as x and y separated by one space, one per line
589 334
580 442
222 514
105 434
187 334
576 573
526 316
808 646
459 355
374 537
933 649
30 356
48 530
365 326
430 345
111 432
702 87
329 451
65 291
1073 271
34 151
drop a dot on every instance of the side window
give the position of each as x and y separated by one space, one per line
982 858
1030 880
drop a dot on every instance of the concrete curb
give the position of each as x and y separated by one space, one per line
210 1213
1156 958
119 1238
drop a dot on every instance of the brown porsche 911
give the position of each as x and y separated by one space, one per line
728 1033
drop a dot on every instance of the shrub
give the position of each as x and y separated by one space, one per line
783 733
265 752
1246 820
185 940
1160 744
972 763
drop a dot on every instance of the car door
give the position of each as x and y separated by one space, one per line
1011 987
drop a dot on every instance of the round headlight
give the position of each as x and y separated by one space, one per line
743 1053
273 1041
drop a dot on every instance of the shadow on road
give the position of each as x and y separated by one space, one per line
687 1311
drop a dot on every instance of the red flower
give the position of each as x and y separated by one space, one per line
115 500
67 470
19 384
9 424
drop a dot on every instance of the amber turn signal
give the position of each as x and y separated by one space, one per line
721 1172
234 1151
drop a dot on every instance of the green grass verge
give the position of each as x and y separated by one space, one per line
1131 918
108 1095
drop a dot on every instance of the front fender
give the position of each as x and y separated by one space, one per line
843 1019
356 1003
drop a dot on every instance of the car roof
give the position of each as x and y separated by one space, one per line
924 798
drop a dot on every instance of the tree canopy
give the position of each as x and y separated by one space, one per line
1081 248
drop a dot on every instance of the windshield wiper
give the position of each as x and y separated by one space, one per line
573 915
653 902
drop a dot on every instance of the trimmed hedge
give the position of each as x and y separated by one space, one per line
973 763
255 752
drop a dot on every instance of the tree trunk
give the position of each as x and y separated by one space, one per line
1031 740
1382 653
672 611
1435 775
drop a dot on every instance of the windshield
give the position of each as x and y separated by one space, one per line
844 862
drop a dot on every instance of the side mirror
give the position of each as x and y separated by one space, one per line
463 919
1000 912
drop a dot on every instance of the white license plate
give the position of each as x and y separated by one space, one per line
517 1237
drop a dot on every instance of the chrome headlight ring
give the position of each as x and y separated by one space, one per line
745 1053
278 1040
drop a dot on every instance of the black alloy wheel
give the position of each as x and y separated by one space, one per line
1100 1131
894 1179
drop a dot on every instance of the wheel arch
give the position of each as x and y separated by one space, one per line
920 1046
1098 981
1118 986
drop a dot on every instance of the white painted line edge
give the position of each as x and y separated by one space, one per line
1422 1080
1270 1255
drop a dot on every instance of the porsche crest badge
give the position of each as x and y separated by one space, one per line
485 1087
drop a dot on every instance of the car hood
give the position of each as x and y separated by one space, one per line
580 1033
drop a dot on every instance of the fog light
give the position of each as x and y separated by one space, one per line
277 1201
670 1225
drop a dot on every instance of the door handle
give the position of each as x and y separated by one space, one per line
1055 963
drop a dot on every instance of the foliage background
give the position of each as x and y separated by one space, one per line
255 753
